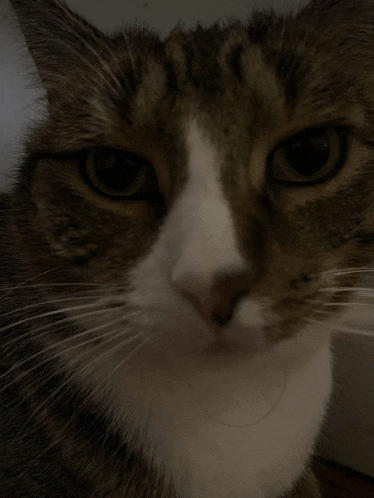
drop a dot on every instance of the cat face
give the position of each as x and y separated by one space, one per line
209 186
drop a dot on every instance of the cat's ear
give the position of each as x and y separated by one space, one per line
64 46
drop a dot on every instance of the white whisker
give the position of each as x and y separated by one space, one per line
347 289
109 336
35 331
53 397
60 353
45 284
38 331
28 280
343 328
113 336
114 349
130 355
53 301
346 271
367 305
55 312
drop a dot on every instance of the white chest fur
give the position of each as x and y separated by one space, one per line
255 437
242 430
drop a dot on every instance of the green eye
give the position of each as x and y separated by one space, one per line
119 174
308 157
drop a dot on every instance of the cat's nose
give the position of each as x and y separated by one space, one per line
215 297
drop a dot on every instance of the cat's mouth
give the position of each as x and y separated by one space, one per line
249 342
221 347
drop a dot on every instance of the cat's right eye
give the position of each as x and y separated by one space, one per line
119 174
309 157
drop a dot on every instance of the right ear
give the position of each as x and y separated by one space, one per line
64 46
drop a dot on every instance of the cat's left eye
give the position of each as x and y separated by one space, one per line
309 157
119 174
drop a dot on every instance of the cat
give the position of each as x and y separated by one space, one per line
187 223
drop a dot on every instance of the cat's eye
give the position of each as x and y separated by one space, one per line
309 157
118 174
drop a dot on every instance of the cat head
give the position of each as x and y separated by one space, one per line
218 181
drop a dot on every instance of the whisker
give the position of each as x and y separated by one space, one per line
110 336
113 350
46 284
38 331
21 338
346 271
54 312
53 301
130 355
62 432
367 305
28 280
347 289
52 398
58 354
110 351
343 328
33 331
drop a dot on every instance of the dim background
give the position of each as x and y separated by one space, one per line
348 436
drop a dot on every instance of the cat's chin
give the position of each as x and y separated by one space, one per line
243 343
220 347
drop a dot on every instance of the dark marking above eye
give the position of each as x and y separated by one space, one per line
171 78
258 29
289 70
234 60
201 50
129 82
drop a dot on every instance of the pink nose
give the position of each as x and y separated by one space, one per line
215 301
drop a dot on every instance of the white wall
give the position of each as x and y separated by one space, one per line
349 434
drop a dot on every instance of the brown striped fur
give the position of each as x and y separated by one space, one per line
253 86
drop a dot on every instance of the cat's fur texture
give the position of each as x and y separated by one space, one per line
165 334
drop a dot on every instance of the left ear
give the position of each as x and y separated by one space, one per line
64 46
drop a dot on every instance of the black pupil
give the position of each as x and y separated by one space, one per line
117 171
309 152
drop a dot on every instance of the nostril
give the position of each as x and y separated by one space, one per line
215 297
221 319
225 308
